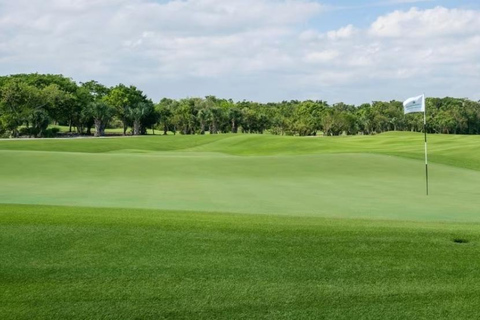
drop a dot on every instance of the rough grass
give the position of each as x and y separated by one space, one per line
67 263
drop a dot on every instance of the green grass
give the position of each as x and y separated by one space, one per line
239 227
355 177
455 150
61 262
332 185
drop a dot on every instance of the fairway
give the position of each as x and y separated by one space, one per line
239 227
61 262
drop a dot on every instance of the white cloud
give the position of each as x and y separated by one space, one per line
252 49
403 52
322 56
427 23
391 2
342 33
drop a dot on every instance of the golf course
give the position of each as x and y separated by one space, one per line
240 226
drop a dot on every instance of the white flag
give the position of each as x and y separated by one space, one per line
415 104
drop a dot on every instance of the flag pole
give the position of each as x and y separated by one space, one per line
426 145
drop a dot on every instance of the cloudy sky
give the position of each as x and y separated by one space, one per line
263 50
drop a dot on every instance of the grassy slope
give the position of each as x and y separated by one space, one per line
111 264
204 174
455 150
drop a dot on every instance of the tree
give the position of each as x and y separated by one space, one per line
185 116
235 118
308 118
165 113
88 93
101 113
123 99
31 102
138 114
39 121
19 102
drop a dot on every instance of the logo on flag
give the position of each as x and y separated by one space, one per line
415 104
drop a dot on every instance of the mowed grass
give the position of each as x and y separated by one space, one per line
454 150
355 177
239 227
86 263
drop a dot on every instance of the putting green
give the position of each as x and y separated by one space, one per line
333 185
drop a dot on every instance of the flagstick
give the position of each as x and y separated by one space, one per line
426 148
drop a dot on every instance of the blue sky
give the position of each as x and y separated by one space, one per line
363 13
263 50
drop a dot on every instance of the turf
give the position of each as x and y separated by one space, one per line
454 150
239 227
351 177
64 263
335 185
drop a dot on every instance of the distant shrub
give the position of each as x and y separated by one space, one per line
26 131
32 132
3 132
115 124
51 133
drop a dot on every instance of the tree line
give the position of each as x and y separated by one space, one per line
31 103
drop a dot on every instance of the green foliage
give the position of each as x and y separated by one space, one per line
101 113
164 110
21 103
66 103
124 99
39 121
141 115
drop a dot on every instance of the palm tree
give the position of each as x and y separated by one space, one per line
235 116
138 114
101 113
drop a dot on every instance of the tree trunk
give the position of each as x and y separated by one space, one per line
98 128
214 128
15 133
234 127
136 128
165 129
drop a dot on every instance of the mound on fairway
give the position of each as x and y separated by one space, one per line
239 227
